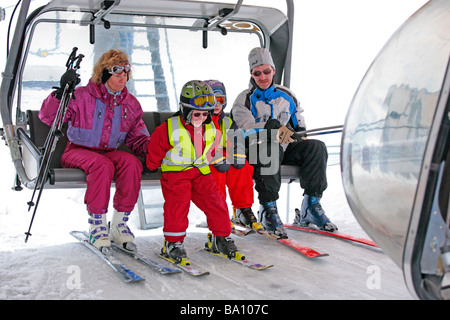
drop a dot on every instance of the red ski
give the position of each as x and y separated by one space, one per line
295 245
338 235
306 251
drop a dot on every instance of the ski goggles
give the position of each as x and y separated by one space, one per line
119 69
221 99
203 101
258 73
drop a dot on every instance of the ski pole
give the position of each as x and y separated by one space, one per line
53 137
312 132
324 129
318 131
45 165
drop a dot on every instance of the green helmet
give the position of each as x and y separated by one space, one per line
196 95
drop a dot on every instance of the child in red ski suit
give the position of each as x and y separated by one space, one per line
182 147
101 117
237 176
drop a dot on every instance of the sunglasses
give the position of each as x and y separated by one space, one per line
203 101
119 69
258 73
198 114
221 99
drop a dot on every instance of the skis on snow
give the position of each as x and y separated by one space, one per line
126 274
154 265
338 235
185 265
238 257
295 245
243 232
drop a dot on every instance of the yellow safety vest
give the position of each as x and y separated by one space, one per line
182 155
225 125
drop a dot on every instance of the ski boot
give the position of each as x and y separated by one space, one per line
175 251
246 218
98 231
312 213
119 231
224 246
270 220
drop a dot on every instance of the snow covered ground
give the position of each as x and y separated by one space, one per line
53 265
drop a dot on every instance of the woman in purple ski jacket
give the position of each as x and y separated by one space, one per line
101 117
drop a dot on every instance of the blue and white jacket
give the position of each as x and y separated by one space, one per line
254 106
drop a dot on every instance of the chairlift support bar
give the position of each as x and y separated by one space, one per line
224 15
106 7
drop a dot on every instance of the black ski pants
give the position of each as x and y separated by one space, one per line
310 155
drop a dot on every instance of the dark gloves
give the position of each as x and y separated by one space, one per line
222 166
147 171
272 124
219 161
70 77
299 133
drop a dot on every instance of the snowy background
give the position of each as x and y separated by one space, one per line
344 37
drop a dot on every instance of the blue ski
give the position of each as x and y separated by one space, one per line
126 274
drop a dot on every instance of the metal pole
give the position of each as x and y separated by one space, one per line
6 87
288 62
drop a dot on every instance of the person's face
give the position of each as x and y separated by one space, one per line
117 82
263 75
220 101
198 117
217 108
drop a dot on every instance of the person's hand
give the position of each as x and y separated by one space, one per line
299 134
284 135
70 77
147 171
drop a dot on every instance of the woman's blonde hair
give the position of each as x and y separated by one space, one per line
109 59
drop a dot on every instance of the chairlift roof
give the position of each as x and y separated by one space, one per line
273 26
268 18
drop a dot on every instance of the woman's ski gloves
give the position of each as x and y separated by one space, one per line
70 77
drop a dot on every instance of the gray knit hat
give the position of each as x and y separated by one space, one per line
259 56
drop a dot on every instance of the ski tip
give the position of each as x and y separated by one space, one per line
130 276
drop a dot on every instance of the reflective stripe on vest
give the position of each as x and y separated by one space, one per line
182 155
225 125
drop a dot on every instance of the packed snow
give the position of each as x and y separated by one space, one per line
53 265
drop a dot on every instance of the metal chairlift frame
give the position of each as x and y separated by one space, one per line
102 13
11 77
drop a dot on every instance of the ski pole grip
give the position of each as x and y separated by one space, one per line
71 58
79 58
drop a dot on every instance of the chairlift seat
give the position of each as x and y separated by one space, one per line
76 178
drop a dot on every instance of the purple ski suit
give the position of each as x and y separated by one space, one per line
99 122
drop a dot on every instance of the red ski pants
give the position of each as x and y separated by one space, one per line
239 183
178 189
101 167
